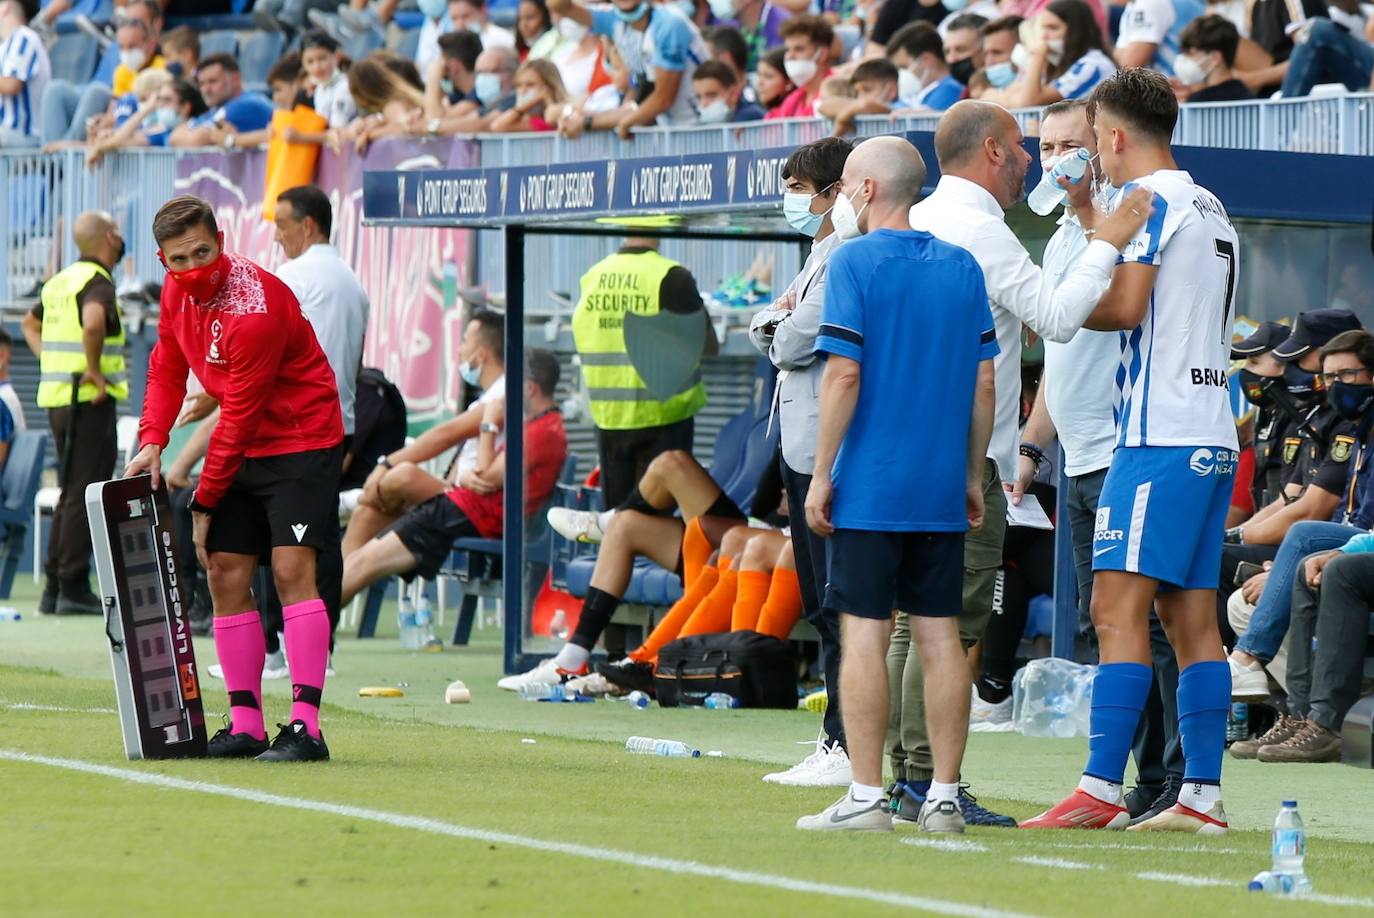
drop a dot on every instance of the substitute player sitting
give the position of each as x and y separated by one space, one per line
269 486
1163 506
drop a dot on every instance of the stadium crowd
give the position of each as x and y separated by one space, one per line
571 68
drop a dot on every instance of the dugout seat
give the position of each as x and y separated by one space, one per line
220 41
18 487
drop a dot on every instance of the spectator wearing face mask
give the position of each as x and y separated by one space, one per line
874 87
760 22
924 82
718 89
808 40
1067 57
127 111
963 40
1000 38
1207 52
539 100
1149 32
580 60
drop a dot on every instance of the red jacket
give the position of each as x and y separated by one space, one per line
254 351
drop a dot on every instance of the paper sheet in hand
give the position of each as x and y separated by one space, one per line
1028 513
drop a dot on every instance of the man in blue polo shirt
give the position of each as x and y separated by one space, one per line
231 110
909 341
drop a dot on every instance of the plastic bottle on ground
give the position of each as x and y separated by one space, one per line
9 614
645 745
1047 195
408 624
637 700
1287 876
542 691
424 626
719 701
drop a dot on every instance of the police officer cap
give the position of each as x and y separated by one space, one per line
1267 337
1314 329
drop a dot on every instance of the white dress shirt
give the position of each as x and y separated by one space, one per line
967 215
1080 374
336 306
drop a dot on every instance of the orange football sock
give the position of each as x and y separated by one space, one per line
749 599
783 606
668 627
713 615
696 551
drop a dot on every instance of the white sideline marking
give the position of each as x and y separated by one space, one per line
26 706
1056 863
434 826
1121 846
1185 879
947 844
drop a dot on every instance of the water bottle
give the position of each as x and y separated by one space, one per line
1047 195
1290 841
543 691
1238 724
424 623
558 625
9 614
637 700
719 701
1276 884
407 622
644 745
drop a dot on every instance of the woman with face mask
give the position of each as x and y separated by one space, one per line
539 100
1066 57
174 102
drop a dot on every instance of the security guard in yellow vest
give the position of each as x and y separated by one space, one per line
632 425
75 332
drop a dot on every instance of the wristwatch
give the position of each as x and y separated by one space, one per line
432 127
489 428
230 140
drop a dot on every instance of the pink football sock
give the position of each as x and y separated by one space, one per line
307 653
242 648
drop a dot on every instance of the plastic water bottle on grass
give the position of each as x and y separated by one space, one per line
9 614
637 700
1287 876
407 620
424 626
719 701
644 745
542 691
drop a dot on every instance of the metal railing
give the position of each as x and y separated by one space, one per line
41 192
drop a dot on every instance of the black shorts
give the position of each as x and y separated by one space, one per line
429 531
873 573
286 500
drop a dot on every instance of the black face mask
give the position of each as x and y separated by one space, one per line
1256 388
1300 383
1351 401
962 70
119 255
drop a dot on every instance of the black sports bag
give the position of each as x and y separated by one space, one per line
755 668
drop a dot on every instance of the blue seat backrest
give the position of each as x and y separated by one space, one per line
258 52
23 472
73 58
220 42
745 445
408 43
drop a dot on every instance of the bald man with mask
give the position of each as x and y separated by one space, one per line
908 341
75 332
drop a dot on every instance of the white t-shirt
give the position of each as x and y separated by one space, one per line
334 102
1159 23
1171 385
467 453
16 407
1079 373
24 58
336 306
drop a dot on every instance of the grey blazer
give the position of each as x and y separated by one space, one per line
788 337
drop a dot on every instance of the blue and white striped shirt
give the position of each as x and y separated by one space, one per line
23 57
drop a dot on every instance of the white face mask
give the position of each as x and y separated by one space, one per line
1189 71
1020 57
718 112
1055 49
800 72
909 83
844 218
571 29
133 58
722 9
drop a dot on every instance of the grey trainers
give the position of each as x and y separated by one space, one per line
943 816
847 814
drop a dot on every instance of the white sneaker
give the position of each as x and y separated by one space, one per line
828 766
577 525
1248 683
274 667
847 814
215 670
944 816
546 673
592 684
981 713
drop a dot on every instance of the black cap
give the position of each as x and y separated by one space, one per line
1314 329
1267 337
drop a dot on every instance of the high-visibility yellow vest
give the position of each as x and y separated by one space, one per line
621 283
63 352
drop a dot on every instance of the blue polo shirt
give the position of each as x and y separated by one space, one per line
913 311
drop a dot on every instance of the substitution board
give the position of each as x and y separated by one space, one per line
145 599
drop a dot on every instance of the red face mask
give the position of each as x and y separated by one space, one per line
204 282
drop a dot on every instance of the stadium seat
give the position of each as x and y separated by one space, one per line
19 487
408 43
257 53
73 57
220 42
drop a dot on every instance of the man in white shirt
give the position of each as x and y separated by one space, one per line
1075 399
24 72
1148 35
472 15
983 172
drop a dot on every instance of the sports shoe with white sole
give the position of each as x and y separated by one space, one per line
944 816
1248 683
274 667
1179 818
591 685
828 766
546 673
847 814
985 712
577 525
